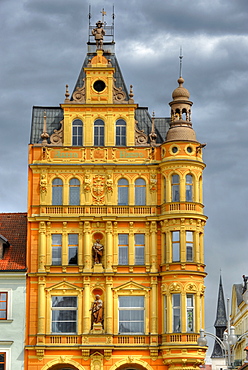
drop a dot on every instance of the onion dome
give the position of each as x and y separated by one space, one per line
180 92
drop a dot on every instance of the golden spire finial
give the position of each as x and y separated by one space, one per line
103 14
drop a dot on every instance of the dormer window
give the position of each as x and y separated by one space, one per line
3 245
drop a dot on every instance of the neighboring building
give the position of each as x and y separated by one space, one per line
239 319
218 357
13 237
115 228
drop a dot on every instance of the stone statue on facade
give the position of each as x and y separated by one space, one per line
98 251
97 310
98 32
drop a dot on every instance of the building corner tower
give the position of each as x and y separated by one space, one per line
115 228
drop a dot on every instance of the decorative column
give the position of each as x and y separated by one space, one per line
80 246
86 306
109 306
153 249
87 247
42 246
64 246
154 306
131 251
109 246
41 309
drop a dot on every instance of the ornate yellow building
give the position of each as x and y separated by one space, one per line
115 228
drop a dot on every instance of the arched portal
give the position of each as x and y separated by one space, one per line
63 364
131 363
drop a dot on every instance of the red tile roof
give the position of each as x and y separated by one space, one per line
13 226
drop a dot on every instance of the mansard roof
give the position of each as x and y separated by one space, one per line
13 228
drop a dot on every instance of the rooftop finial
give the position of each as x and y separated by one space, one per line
103 14
181 61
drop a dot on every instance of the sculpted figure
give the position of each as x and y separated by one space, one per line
98 251
97 310
98 32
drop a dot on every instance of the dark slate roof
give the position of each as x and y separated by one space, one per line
145 123
54 116
239 290
13 227
221 319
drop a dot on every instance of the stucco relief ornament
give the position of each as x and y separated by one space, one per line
87 183
175 287
119 95
57 136
109 184
43 184
79 94
140 137
153 183
98 187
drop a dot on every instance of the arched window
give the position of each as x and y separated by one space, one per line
99 132
123 192
120 133
140 192
189 188
77 132
74 192
175 190
57 192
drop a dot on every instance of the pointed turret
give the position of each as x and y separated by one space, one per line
181 126
220 322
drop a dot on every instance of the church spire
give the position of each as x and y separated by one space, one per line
220 321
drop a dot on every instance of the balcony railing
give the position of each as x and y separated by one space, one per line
180 338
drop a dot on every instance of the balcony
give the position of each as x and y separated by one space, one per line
180 338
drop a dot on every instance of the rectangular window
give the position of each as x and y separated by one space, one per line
176 314
56 249
131 314
72 249
123 249
2 360
3 305
175 238
189 246
64 314
190 312
139 240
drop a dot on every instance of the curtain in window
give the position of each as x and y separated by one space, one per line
77 132
120 136
57 191
74 192
99 132
140 192
64 314
131 314
122 192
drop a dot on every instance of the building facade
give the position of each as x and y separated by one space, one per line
115 227
13 235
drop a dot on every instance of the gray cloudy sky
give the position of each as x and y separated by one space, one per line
43 44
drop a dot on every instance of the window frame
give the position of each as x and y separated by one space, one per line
131 308
140 192
72 246
77 137
140 246
98 135
176 309
64 309
121 136
76 194
124 247
4 310
56 246
189 187
123 194
189 246
57 192
175 188
190 309
175 246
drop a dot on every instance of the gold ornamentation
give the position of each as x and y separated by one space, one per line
98 189
153 183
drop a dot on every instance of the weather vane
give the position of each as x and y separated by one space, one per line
103 14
